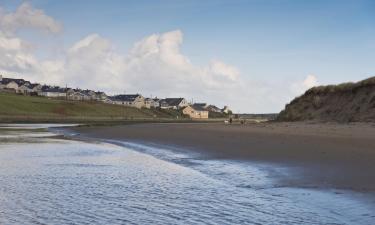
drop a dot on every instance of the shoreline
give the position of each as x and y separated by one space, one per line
318 155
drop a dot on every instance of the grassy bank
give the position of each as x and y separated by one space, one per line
18 108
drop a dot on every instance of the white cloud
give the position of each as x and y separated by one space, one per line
28 17
310 81
299 88
16 54
154 65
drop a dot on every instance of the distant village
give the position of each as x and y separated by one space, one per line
193 110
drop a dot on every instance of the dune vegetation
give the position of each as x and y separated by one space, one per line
347 102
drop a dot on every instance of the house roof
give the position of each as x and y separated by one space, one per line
201 104
198 108
213 107
78 93
33 85
173 101
19 82
55 89
87 92
126 98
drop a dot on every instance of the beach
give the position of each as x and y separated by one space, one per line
317 155
49 178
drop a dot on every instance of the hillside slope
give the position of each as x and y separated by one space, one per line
347 102
26 108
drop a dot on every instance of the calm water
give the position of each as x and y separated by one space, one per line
47 180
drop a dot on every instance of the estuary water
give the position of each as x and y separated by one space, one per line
48 178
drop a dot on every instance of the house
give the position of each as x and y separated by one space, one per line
88 95
155 103
35 88
195 112
74 95
10 84
148 102
173 103
108 100
135 100
53 92
24 89
152 103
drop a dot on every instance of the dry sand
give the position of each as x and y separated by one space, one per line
338 156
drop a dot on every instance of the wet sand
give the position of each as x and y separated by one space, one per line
340 156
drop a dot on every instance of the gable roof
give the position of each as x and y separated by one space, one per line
19 82
213 107
33 85
55 89
126 98
173 101
87 92
198 107
204 105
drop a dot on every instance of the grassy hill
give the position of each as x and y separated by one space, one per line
347 102
18 108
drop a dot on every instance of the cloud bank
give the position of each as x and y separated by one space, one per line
154 66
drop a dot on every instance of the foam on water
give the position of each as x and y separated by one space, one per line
33 126
57 181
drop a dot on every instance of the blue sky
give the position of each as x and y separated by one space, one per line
269 42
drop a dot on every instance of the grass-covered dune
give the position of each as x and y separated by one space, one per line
347 102
19 108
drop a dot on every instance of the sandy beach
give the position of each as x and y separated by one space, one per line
338 156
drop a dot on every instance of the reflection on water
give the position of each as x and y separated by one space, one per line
56 181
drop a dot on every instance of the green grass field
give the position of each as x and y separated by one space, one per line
19 108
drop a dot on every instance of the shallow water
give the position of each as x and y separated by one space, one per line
58 181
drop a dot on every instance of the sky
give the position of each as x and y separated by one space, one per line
252 55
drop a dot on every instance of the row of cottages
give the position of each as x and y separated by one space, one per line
71 94
18 86
27 88
85 95
138 101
